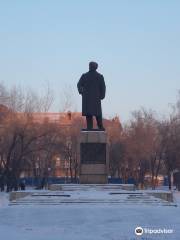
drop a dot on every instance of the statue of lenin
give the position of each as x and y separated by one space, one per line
92 88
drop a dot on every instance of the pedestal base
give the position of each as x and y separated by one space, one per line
93 154
93 179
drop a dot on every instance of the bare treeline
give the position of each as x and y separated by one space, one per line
26 145
146 145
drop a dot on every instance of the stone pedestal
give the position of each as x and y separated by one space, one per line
93 153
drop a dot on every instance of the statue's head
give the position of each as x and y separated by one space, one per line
93 66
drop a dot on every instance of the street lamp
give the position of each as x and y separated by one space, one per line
68 155
49 170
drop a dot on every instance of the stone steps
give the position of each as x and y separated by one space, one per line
87 187
91 203
125 199
114 194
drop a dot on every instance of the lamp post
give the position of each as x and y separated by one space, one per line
49 170
68 156
139 177
37 171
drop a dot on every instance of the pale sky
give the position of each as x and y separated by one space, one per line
136 43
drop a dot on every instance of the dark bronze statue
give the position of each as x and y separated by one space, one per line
92 88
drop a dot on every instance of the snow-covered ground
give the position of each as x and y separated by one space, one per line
86 221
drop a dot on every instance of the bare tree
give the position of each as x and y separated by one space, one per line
20 135
67 102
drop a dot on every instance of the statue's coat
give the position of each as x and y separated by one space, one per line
92 87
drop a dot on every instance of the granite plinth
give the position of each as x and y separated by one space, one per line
94 161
